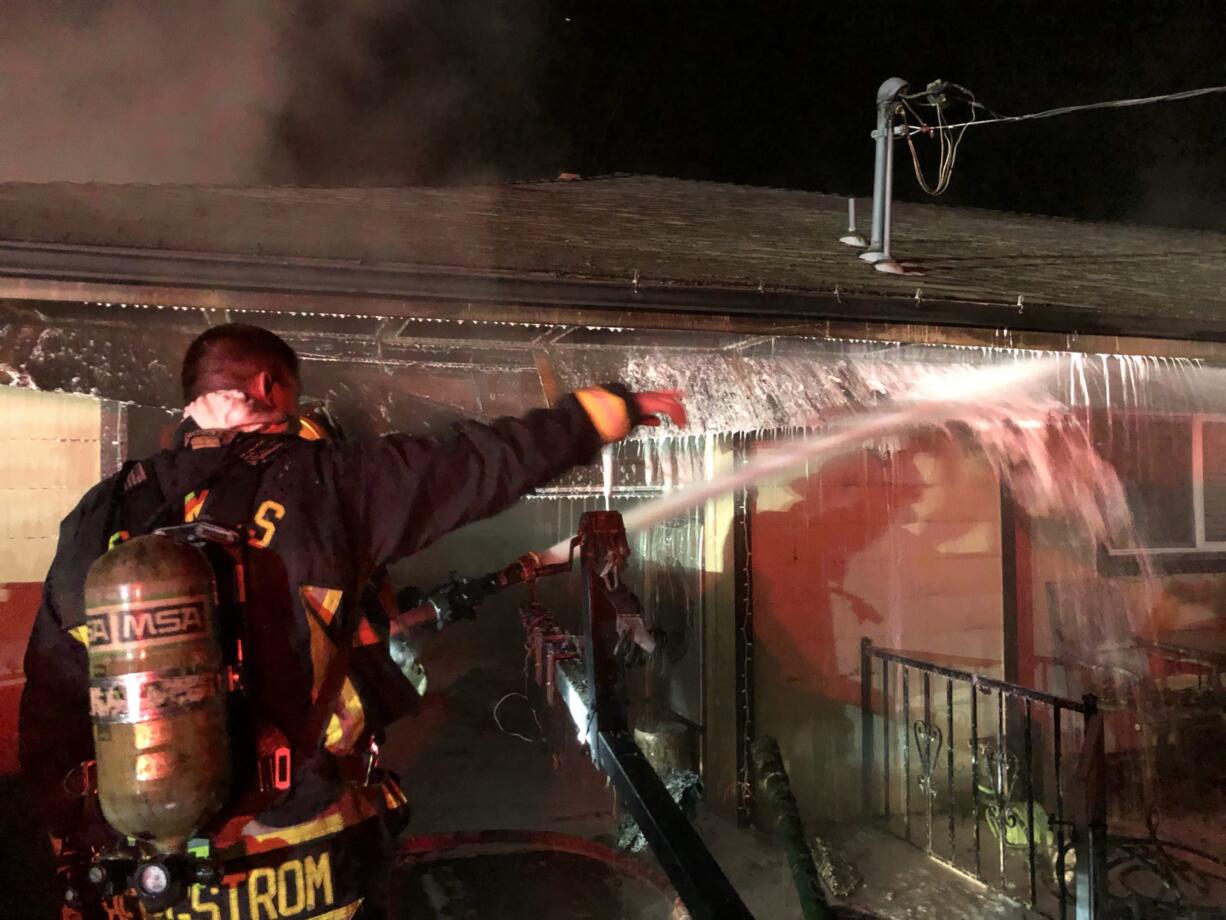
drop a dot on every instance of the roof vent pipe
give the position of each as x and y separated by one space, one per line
878 252
853 237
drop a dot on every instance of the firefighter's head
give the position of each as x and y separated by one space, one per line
236 356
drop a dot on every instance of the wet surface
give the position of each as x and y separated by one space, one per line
903 884
530 885
462 771
900 882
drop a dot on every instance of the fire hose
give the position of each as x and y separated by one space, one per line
773 779
458 597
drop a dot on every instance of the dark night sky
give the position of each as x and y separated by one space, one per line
406 91
784 96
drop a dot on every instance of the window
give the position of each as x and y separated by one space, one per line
1174 474
1209 481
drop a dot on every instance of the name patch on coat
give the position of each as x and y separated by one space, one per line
301 888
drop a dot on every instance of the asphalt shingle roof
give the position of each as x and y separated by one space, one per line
660 231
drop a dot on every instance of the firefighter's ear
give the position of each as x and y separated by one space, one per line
262 387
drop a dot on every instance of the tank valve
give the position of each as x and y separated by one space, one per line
107 878
161 882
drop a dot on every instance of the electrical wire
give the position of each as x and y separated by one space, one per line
947 141
938 95
1069 109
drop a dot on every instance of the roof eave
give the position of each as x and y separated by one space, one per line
50 271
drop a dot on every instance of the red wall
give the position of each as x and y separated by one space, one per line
18 602
901 546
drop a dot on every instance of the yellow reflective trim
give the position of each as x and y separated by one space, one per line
346 724
332 823
353 808
321 601
81 634
342 913
332 601
394 795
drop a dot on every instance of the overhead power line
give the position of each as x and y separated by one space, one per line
940 95
1069 109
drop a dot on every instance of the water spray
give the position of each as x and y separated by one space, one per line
945 398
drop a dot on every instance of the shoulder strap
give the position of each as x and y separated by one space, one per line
238 471
233 486
136 503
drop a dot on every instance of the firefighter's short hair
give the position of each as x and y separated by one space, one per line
226 357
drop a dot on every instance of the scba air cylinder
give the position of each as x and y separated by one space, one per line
157 690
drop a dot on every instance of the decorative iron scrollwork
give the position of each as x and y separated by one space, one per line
928 741
1152 877
998 780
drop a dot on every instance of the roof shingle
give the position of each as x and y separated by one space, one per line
659 231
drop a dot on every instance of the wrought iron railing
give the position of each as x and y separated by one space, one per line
1045 808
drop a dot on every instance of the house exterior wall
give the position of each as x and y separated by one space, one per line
49 456
903 548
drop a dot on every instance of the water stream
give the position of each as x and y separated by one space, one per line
1005 407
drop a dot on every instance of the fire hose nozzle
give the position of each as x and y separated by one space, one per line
523 569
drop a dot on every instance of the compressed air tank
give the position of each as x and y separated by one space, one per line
157 690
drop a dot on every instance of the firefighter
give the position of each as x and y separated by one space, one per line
307 832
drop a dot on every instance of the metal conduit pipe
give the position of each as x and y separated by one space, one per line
883 175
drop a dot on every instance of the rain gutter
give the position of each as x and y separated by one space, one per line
42 271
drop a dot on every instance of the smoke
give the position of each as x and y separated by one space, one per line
415 91
129 91
1187 192
297 91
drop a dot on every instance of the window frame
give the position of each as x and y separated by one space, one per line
1198 481
1201 546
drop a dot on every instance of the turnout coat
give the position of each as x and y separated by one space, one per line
323 519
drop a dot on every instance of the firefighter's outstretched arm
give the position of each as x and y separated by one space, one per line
405 492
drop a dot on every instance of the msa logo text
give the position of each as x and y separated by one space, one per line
119 627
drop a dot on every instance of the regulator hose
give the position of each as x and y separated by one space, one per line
429 847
